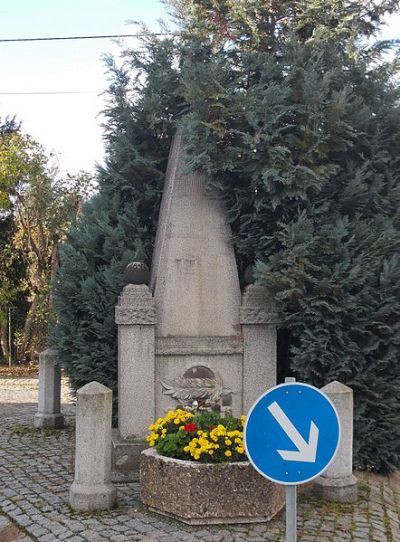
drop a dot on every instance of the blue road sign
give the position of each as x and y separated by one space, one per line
292 433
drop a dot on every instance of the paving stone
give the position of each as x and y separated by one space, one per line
36 471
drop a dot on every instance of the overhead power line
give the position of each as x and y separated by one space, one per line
105 36
50 92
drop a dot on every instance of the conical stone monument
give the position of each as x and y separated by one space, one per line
191 336
194 275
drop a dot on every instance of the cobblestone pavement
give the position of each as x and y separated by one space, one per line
36 471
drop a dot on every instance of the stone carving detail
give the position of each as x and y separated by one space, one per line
199 384
136 306
257 315
139 315
257 306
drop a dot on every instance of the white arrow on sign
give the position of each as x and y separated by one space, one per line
306 451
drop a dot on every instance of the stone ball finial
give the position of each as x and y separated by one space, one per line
136 273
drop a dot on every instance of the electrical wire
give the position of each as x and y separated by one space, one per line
101 36
38 93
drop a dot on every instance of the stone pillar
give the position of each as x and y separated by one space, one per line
259 321
338 483
49 407
135 315
92 488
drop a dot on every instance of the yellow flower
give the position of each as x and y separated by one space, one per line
228 442
240 450
228 453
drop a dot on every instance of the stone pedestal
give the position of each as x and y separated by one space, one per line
135 316
92 488
338 482
259 320
49 406
126 457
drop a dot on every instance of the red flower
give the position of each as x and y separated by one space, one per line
190 427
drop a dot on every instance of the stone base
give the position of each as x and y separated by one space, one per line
343 490
207 493
48 421
92 498
125 458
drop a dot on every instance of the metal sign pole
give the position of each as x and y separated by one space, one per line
287 457
291 502
291 514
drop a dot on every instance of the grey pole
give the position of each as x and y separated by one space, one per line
291 502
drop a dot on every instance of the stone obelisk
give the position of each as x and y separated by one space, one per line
190 336
194 275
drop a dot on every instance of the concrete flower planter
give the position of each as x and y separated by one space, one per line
201 493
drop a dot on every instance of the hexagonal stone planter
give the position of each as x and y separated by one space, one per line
206 493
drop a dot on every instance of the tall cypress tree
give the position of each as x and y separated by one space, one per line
295 117
118 225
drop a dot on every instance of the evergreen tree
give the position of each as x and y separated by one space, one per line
118 225
295 117
293 112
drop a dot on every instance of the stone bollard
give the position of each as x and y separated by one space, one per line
49 407
92 488
338 482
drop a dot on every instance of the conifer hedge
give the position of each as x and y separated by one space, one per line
293 113
118 225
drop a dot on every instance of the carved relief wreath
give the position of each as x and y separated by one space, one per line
199 384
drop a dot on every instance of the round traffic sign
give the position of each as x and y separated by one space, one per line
292 433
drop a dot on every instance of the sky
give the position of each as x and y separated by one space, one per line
69 124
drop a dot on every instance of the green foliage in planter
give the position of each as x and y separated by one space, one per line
203 436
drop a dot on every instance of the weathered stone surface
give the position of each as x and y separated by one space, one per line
257 307
258 318
126 457
136 361
227 370
337 483
198 346
135 306
194 275
344 489
92 488
198 493
49 404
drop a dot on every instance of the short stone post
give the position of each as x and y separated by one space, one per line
135 315
49 407
338 483
92 488
259 321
